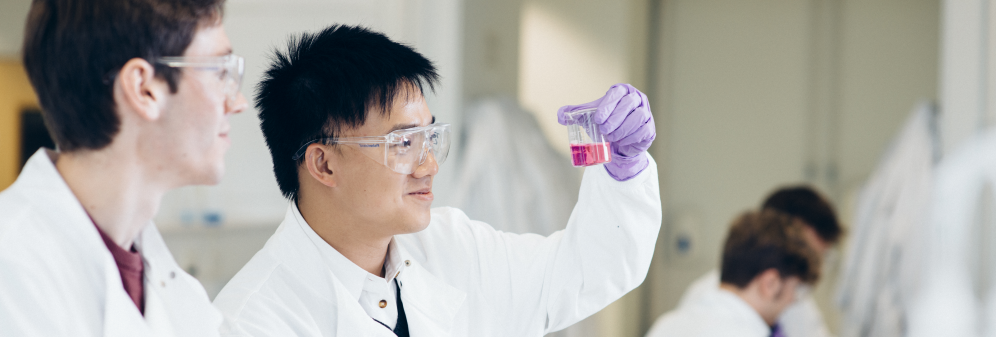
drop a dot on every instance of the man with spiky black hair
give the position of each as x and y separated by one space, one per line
360 253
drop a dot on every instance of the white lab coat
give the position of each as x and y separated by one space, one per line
461 277
57 278
953 297
801 319
717 313
883 258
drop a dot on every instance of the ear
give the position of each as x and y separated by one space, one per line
770 284
319 162
137 90
814 240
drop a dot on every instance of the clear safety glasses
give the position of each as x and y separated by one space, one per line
401 151
230 69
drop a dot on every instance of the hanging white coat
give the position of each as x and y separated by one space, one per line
885 252
57 277
461 277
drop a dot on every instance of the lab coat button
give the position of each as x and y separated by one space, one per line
383 304
172 275
408 263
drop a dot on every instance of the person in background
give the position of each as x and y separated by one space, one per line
360 253
814 210
136 95
767 265
803 318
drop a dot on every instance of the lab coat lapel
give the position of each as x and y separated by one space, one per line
156 314
431 305
171 295
353 320
46 186
121 317
73 229
304 256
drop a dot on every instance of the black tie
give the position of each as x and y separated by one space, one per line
400 329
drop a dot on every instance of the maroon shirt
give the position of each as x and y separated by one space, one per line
130 266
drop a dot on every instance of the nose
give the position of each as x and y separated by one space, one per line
428 168
237 105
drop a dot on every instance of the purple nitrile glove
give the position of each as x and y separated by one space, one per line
624 118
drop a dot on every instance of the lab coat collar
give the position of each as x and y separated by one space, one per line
395 262
41 183
352 276
431 305
48 185
738 308
294 245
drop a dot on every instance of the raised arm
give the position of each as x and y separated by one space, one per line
537 284
544 284
605 251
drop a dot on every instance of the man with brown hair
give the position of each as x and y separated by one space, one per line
767 264
137 95
822 230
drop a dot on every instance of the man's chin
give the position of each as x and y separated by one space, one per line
419 224
210 176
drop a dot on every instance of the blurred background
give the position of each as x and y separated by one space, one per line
748 95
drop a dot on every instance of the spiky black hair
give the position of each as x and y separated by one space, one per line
328 81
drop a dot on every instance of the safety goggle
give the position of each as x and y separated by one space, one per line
230 69
401 151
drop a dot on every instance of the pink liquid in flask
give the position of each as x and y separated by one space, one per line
590 154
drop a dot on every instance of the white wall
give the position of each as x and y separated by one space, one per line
12 17
490 48
889 58
572 52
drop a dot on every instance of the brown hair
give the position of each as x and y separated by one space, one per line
758 241
807 204
74 49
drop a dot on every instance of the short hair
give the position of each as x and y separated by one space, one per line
807 204
327 82
74 49
759 241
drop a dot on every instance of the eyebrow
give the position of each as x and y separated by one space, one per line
402 127
408 125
